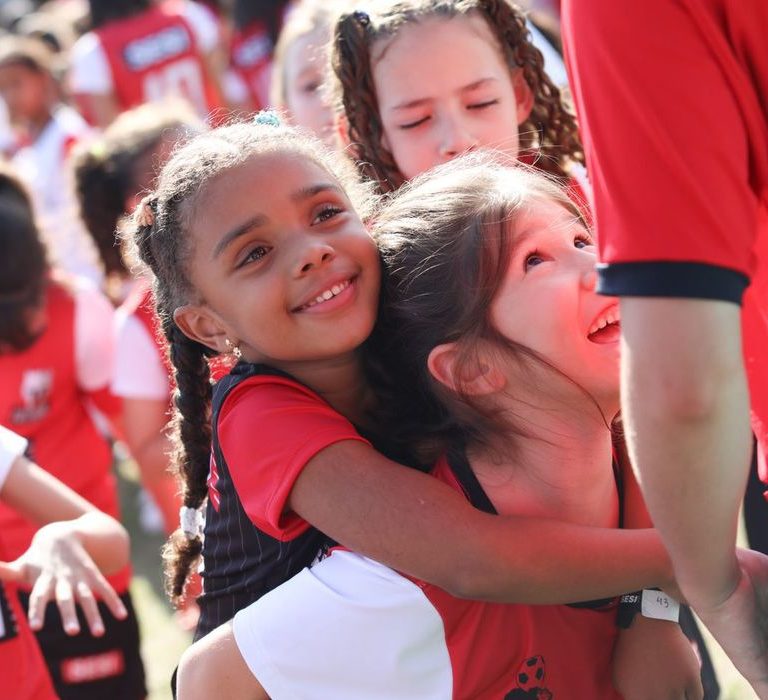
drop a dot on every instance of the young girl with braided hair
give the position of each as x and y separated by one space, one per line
418 82
257 251
514 412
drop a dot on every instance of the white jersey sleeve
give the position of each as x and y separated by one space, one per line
139 370
348 628
94 342
11 447
89 71
203 24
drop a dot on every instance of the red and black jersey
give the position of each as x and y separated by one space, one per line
249 546
23 673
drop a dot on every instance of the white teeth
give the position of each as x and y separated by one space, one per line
610 316
328 294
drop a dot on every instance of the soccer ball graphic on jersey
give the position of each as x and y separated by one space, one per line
530 681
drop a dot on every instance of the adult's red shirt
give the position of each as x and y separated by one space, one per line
673 102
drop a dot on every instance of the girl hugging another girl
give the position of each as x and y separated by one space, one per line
258 251
504 367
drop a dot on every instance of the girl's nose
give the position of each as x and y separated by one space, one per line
313 255
456 139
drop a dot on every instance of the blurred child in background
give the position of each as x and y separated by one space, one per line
139 51
300 74
61 563
46 131
56 355
111 174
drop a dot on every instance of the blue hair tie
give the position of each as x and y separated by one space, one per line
267 117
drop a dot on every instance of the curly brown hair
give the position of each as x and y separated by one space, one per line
549 137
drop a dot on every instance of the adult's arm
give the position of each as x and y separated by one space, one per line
670 127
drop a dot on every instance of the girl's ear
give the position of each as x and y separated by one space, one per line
341 125
523 95
198 323
478 377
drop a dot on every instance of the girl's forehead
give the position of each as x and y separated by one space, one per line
430 28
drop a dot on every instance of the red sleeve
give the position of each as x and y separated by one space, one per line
269 428
673 132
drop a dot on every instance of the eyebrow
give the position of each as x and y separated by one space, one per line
410 104
260 219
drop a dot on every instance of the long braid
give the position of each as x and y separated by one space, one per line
191 427
191 424
161 240
351 62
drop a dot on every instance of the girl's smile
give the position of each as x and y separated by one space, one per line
548 303
284 267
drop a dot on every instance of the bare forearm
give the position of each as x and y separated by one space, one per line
418 525
687 420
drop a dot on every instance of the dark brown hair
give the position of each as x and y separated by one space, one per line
549 136
23 264
165 247
112 168
446 239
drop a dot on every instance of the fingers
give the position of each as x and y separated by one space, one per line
90 609
65 600
42 592
104 591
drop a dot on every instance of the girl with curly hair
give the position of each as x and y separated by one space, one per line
419 82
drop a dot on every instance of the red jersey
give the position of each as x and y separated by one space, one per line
304 639
42 401
23 673
250 57
673 103
154 54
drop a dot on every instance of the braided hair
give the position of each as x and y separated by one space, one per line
549 136
161 239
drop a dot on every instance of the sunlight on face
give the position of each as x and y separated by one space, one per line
305 76
444 88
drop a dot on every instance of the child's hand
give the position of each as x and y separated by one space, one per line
57 567
653 660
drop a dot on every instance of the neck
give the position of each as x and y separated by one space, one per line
340 381
560 469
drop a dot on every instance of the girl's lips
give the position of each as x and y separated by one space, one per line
335 302
606 335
